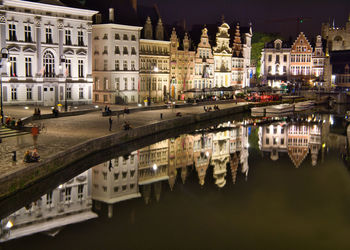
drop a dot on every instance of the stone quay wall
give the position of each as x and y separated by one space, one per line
16 181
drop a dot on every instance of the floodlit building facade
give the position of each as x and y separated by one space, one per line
116 62
49 46
154 64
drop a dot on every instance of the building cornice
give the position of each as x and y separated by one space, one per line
116 26
49 7
154 41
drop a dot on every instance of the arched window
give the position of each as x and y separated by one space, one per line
49 64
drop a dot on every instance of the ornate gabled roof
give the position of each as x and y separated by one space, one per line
301 37
297 154
237 50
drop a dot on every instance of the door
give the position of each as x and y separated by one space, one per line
49 96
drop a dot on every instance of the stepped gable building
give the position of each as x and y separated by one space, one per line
50 59
241 54
182 63
204 64
116 59
338 38
300 62
318 60
222 57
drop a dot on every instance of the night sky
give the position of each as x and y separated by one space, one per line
260 13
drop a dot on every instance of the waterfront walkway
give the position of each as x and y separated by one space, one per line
64 132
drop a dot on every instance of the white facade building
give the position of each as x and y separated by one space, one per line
275 63
67 204
116 180
116 62
37 35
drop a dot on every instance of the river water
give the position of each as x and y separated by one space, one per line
244 183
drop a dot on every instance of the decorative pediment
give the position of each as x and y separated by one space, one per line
81 52
14 48
29 49
68 51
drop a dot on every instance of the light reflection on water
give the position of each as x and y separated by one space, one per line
193 172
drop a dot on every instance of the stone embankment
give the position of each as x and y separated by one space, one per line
13 182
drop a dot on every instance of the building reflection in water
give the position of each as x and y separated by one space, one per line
299 138
141 173
67 204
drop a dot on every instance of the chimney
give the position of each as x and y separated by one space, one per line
98 18
134 5
111 15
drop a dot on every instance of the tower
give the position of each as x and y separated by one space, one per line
148 32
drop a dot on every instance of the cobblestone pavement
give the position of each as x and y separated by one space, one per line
64 132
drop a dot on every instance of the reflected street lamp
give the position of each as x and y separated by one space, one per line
4 55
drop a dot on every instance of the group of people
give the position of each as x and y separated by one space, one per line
108 110
55 112
208 109
13 123
31 156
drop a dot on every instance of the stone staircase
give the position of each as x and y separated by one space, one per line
7 132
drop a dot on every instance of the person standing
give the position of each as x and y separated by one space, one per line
110 123
161 116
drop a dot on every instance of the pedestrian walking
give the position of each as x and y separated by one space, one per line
110 123
161 116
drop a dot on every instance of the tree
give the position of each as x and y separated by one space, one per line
258 43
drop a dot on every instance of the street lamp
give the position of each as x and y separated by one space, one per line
63 61
4 55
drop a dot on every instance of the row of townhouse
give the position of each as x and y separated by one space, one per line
298 62
53 54
134 64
